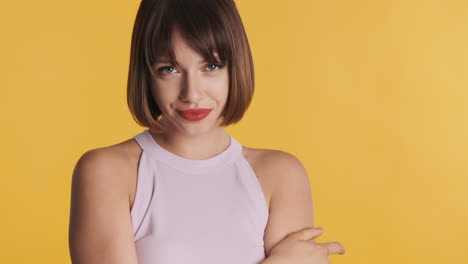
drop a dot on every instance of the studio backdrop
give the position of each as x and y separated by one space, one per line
372 97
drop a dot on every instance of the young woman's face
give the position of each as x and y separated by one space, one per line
194 84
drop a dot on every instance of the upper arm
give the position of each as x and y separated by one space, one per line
291 199
100 228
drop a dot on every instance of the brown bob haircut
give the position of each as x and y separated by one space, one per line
209 26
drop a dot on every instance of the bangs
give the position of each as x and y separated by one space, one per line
199 22
212 28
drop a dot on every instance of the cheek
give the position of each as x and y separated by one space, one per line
218 93
164 93
221 88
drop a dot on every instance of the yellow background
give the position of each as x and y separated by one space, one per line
370 95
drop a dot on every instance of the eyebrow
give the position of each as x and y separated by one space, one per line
163 59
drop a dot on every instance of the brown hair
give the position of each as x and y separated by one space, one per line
209 26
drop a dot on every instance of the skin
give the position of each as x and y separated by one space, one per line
104 179
194 84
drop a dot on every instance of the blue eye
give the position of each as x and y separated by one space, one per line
216 65
170 70
161 70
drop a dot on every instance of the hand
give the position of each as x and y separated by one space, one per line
300 248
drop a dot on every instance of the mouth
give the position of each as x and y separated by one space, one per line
196 114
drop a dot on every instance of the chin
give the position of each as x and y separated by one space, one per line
200 127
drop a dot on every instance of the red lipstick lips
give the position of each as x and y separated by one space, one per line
195 114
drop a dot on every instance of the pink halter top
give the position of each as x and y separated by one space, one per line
208 211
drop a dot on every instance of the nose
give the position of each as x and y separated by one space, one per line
191 91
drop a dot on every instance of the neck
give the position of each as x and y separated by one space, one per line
198 146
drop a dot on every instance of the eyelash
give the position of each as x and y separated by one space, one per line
160 70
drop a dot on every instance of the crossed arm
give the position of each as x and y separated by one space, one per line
100 228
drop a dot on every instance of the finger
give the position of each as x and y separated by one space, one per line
334 248
309 233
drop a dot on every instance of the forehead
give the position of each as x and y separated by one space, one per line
181 54
166 58
198 50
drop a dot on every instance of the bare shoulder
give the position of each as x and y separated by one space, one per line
286 184
116 165
100 229
271 167
271 162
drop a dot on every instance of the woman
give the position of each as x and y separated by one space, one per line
184 190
